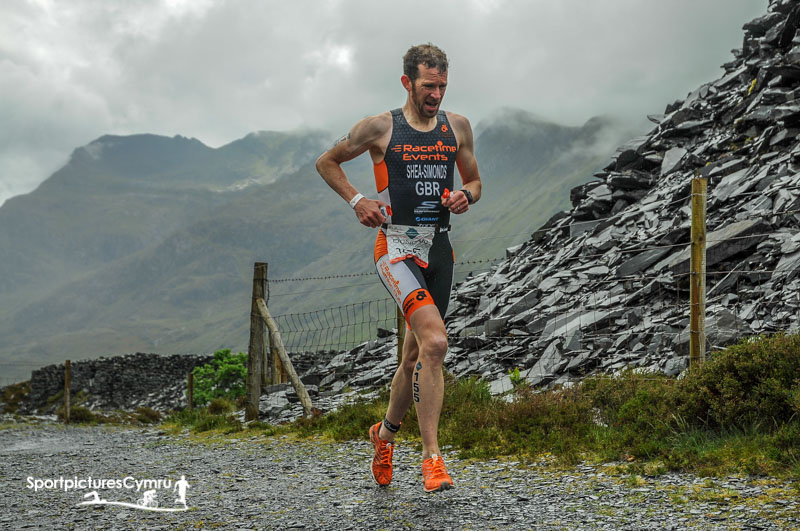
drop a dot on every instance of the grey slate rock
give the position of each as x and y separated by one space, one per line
631 180
675 366
545 367
672 159
724 243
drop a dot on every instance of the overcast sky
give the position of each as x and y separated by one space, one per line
71 71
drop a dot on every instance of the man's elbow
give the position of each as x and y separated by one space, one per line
321 162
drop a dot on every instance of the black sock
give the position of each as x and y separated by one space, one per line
391 427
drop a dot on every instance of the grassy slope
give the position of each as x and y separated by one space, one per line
735 415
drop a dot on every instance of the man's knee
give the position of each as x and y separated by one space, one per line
435 346
430 333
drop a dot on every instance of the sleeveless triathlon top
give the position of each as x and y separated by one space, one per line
415 170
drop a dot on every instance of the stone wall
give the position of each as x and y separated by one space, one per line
121 382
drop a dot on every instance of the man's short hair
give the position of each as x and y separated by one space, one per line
423 54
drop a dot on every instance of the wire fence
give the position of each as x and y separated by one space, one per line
591 325
580 325
641 318
340 328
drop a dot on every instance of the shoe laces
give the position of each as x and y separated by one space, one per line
385 451
437 466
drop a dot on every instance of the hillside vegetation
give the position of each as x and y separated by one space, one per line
739 413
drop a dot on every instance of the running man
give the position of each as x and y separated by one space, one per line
415 150
181 485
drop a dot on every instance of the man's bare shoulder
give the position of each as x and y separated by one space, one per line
462 129
458 121
373 126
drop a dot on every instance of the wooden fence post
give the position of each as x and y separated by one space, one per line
255 351
67 381
276 368
286 362
401 335
265 366
697 277
190 391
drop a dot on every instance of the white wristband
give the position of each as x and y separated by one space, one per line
356 199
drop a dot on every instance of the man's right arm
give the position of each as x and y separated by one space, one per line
366 134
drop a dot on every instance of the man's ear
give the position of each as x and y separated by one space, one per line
407 83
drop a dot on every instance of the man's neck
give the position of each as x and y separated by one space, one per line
416 121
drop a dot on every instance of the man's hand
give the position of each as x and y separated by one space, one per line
369 212
456 202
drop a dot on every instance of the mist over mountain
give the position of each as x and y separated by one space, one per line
146 242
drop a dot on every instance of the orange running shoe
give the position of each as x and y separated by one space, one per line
435 475
381 468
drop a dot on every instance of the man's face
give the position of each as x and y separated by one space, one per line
427 91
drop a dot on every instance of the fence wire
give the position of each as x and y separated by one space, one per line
648 303
339 328
339 351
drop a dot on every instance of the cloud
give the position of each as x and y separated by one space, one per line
72 71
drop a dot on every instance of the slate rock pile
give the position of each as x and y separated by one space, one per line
605 285
121 382
333 378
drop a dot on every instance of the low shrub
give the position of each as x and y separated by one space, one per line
737 413
220 406
200 420
755 382
223 377
638 407
558 421
14 395
77 414
147 415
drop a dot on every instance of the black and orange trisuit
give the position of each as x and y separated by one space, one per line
417 168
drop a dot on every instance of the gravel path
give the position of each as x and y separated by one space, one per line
255 482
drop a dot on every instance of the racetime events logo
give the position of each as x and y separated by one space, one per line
437 151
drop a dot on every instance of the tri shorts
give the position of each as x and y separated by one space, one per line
412 286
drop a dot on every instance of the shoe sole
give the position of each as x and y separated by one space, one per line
444 485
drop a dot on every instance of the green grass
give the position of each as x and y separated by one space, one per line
218 419
737 414
83 415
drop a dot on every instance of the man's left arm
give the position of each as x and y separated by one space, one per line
467 166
